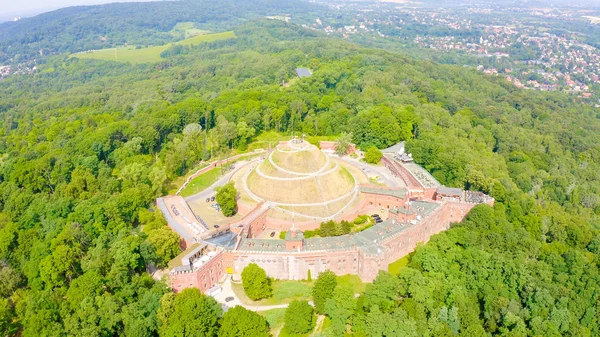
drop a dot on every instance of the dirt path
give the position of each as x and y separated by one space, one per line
319 325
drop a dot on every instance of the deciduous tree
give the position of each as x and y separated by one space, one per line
323 289
256 283
227 198
299 317
241 322
189 313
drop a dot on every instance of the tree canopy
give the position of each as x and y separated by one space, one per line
189 313
323 289
373 155
256 283
241 322
299 317
227 198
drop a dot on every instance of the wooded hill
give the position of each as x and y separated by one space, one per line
82 28
87 145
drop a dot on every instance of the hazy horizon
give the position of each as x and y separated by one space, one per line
26 8
11 9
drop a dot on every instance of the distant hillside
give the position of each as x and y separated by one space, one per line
83 28
151 54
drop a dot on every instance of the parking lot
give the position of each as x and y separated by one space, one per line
210 213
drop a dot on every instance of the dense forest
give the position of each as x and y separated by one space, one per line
86 146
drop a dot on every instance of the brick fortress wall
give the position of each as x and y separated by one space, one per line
203 278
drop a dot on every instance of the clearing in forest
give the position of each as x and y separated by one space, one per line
150 54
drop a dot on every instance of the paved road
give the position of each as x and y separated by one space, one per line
381 171
209 192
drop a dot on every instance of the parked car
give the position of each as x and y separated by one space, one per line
208 199
272 234
379 220
229 299
375 216
217 226
212 198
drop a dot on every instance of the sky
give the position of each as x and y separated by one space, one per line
29 7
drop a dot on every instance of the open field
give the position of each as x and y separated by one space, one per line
150 54
188 29
593 19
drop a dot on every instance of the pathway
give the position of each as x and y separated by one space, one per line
227 291
319 325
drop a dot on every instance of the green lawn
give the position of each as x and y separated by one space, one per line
292 290
201 182
395 267
149 54
283 292
275 317
352 280
287 291
276 320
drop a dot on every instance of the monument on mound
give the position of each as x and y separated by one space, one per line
300 179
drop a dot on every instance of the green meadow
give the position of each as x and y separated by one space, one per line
149 54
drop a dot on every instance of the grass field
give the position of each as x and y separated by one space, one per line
149 54
188 29
275 317
353 281
276 320
396 267
283 292
201 182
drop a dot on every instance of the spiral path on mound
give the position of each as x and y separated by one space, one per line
332 207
